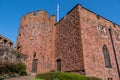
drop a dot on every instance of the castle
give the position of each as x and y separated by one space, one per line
81 42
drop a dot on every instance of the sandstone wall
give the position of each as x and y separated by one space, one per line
95 34
68 43
8 54
36 39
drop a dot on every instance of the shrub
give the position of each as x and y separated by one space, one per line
20 68
63 76
12 69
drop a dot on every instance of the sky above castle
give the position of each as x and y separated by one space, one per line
11 11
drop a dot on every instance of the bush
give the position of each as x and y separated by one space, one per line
12 69
63 76
20 68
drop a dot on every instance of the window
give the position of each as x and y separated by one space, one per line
20 35
117 35
0 38
19 47
33 32
106 57
34 55
102 30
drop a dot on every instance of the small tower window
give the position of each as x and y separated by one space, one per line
34 54
20 35
19 47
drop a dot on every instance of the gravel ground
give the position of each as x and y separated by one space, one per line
23 77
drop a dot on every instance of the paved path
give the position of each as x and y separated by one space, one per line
23 77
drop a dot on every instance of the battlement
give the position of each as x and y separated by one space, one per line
6 42
34 14
39 16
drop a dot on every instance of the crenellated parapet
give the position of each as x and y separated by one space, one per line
6 42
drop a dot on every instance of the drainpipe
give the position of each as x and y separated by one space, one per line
113 46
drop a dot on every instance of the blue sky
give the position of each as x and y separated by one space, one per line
11 11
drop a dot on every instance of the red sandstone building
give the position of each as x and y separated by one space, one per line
81 42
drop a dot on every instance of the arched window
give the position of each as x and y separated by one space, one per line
34 55
106 57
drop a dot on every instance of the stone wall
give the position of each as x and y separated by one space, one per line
36 39
95 34
6 50
8 54
68 43
80 37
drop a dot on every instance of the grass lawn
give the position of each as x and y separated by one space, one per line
63 76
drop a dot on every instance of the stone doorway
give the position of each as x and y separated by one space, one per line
34 65
59 65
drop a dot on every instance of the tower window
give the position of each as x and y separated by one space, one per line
34 54
20 35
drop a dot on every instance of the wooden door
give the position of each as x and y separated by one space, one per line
59 65
34 65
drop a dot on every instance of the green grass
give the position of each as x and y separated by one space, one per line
63 76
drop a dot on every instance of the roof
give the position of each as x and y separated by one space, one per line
89 11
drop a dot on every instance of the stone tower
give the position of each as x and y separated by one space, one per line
36 39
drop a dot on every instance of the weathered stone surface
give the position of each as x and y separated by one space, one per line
68 42
36 39
93 40
84 34
8 54
77 40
